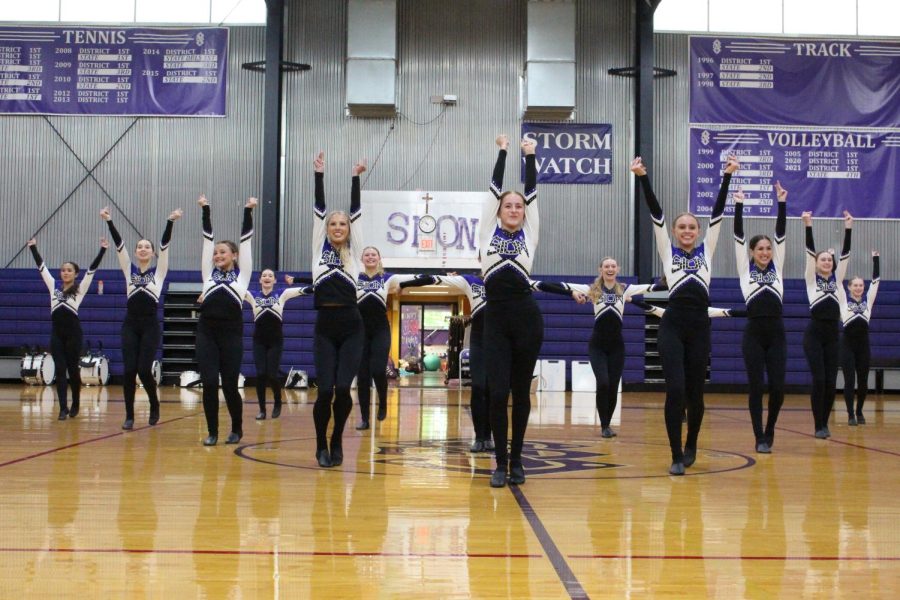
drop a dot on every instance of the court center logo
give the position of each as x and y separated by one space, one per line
538 458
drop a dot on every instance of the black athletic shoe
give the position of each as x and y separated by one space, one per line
154 415
382 412
234 438
516 473
488 445
128 424
276 410
770 440
362 425
860 419
477 446
498 479
851 421
261 415
827 431
211 440
63 414
690 457
820 434
677 468
324 459
337 455
73 410
608 433
763 448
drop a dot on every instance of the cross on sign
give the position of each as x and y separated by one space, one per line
427 198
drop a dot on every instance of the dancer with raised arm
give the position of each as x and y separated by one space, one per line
66 336
825 290
226 271
684 333
856 311
764 343
513 326
268 337
141 332
373 288
336 248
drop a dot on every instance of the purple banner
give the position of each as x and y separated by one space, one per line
571 152
825 171
113 71
780 81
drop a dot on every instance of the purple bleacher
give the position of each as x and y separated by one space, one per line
25 319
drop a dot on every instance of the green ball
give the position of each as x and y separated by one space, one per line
432 362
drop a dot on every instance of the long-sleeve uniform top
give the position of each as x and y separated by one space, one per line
64 307
763 289
856 313
826 294
144 288
224 291
334 282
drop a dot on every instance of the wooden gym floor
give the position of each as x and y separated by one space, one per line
90 511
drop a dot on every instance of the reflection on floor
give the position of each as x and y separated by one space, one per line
92 511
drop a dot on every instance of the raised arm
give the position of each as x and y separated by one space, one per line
841 270
780 227
715 219
42 268
810 270
663 243
206 256
499 166
740 247
162 263
876 279
532 218
357 241
85 284
245 253
121 251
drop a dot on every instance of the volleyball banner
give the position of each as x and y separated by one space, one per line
570 152
81 70
803 81
824 171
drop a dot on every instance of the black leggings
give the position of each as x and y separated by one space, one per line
479 405
140 340
65 347
820 344
607 362
855 358
338 350
219 351
765 352
513 332
684 352
267 356
373 365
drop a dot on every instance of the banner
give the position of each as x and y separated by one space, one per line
447 238
824 171
570 152
806 82
79 70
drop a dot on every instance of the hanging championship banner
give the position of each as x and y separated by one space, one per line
422 230
825 171
806 82
570 152
125 71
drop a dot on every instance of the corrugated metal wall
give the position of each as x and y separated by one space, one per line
671 183
161 164
476 50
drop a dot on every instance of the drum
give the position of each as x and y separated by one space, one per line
38 369
156 370
94 370
189 379
297 379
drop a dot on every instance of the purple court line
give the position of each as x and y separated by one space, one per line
266 553
565 574
91 441
830 440
702 557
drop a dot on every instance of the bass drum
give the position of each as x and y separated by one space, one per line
38 369
94 370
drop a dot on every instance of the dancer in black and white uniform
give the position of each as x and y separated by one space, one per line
66 335
764 343
825 290
337 246
373 288
856 311
226 271
684 333
140 330
268 337
513 326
